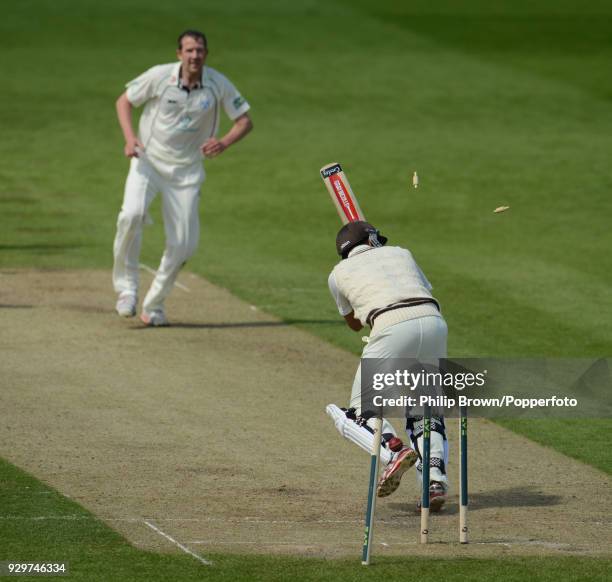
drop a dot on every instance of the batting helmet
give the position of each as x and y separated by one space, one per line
355 233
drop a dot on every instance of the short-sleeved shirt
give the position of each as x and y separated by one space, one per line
176 122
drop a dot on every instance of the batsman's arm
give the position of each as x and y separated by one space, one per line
124 115
213 146
353 322
344 306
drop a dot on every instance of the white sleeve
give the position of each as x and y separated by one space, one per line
344 307
234 104
144 87
424 278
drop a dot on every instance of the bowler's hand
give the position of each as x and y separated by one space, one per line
213 147
132 147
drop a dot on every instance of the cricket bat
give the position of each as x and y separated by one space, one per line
348 209
340 191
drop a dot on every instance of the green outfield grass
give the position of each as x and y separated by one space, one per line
511 105
385 94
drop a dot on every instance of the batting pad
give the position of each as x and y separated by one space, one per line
438 448
357 434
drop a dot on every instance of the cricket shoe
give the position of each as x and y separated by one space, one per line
392 475
437 497
155 318
126 304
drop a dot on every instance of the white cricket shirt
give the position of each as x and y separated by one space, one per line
371 278
175 122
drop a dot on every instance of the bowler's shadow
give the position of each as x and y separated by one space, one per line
528 496
237 324
247 324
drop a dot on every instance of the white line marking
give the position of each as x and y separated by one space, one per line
257 520
45 517
356 542
247 520
154 272
178 544
551 545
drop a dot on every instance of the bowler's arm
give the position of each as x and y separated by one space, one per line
213 146
124 115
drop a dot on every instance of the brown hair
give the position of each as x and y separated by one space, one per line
193 34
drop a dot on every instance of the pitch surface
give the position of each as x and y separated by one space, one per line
214 431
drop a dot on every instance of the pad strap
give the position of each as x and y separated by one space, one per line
362 420
433 462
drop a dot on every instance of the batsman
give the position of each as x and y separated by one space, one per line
383 287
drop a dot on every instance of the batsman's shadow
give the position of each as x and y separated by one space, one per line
528 496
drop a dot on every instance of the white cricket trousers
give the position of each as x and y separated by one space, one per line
180 208
422 338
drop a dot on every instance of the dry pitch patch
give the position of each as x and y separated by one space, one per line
213 431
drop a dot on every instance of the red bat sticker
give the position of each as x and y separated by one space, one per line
344 199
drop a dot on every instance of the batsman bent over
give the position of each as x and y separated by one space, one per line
383 287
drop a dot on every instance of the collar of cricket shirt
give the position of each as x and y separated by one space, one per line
359 249
179 82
